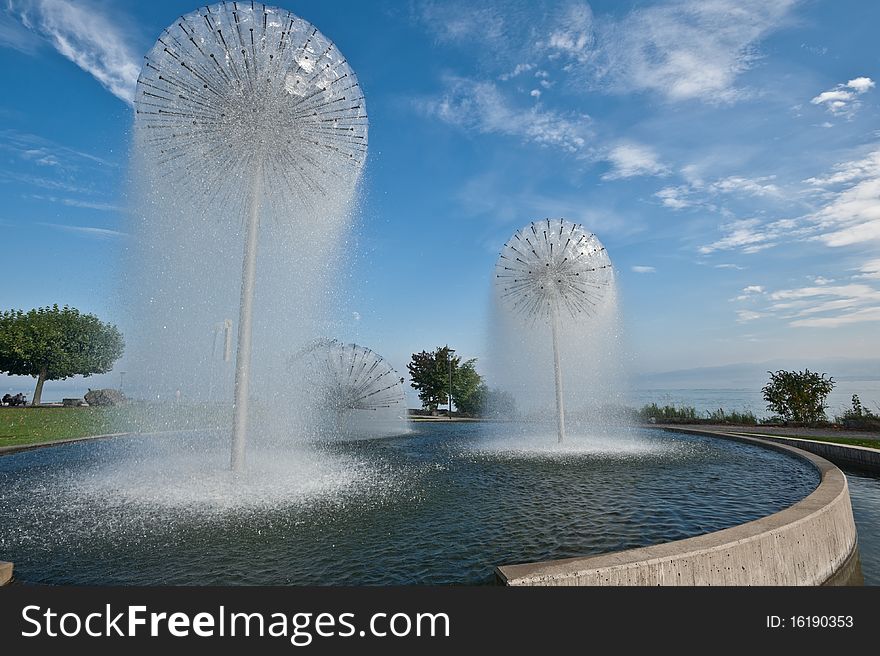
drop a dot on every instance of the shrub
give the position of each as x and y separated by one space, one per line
798 396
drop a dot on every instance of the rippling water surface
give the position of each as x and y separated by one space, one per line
444 504
864 491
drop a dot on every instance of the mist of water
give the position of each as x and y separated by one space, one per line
589 339
266 124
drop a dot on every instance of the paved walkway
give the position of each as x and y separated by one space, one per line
784 431
841 454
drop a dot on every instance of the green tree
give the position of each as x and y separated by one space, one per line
467 387
53 343
498 403
429 376
429 372
798 396
485 402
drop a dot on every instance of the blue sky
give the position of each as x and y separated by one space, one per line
727 153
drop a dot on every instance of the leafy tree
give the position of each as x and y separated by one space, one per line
487 402
429 373
466 388
53 343
798 396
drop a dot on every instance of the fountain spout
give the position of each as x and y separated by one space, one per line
245 322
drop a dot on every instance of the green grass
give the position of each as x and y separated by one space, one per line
848 441
23 426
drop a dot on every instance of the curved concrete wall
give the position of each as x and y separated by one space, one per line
808 543
844 454
5 573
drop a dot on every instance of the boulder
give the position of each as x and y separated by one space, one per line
104 397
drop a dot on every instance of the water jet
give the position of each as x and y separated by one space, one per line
243 95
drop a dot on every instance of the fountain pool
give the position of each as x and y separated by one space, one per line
443 505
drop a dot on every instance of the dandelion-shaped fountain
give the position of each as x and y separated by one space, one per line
347 377
549 268
247 110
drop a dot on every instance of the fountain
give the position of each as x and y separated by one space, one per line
353 386
552 268
250 137
247 110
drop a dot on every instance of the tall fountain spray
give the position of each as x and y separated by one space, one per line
550 268
250 111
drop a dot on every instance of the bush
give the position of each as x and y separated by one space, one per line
859 417
668 413
740 418
798 396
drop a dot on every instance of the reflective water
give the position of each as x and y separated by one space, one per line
442 505
864 491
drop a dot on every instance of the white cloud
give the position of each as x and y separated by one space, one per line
736 184
40 156
743 316
697 191
535 93
727 265
573 34
870 270
842 99
749 293
832 97
825 305
76 202
675 197
14 35
630 159
852 214
100 233
518 70
643 269
856 234
688 49
858 316
861 84
678 49
461 22
751 235
481 107
87 37
851 171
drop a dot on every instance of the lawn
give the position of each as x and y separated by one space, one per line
23 426
20 426
848 441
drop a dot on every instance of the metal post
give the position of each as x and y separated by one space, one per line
557 370
227 341
449 353
243 352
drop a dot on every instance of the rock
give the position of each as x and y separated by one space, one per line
104 397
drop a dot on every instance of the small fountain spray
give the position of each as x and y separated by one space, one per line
249 106
548 268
